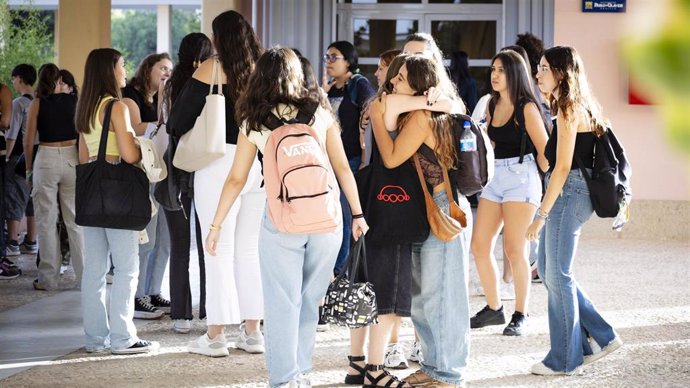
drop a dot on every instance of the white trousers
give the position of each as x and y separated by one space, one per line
233 279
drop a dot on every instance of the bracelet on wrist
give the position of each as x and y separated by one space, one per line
542 214
214 228
355 216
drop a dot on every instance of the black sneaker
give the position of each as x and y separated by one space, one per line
143 309
517 323
487 317
8 272
140 346
160 303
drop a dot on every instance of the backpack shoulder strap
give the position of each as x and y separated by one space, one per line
520 121
272 121
492 107
351 87
306 113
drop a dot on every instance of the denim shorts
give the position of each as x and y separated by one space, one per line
514 181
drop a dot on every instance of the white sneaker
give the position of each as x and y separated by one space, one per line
507 291
394 357
250 343
598 352
415 354
182 326
543 370
216 347
303 381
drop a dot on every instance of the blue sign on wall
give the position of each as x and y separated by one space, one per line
603 6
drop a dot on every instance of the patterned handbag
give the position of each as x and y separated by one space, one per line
348 303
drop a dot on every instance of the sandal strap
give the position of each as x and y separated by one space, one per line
374 381
356 367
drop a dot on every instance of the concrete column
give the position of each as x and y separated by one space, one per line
164 30
81 25
212 8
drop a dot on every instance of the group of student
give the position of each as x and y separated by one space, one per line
253 270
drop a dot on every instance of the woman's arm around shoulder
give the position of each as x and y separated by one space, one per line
121 125
395 152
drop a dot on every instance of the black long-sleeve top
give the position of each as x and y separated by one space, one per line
188 107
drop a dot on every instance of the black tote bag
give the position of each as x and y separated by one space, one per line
393 202
114 196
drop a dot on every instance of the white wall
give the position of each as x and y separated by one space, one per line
659 171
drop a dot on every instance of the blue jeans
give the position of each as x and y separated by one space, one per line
440 304
116 328
347 223
153 256
572 316
295 270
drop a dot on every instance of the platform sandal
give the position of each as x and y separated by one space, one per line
393 381
357 379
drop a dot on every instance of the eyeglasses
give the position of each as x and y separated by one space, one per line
332 58
543 68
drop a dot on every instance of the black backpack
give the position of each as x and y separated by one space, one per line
475 169
609 184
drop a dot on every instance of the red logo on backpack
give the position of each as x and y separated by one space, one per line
393 194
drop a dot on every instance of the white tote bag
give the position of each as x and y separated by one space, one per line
205 142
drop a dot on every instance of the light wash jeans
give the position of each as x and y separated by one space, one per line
153 256
572 316
115 328
440 304
295 270
54 185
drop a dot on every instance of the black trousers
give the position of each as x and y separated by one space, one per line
180 243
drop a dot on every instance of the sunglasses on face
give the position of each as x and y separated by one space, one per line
332 58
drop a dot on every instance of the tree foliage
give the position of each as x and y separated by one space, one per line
25 37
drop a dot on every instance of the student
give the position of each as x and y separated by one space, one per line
348 92
141 95
8 270
233 287
17 195
579 334
104 75
53 180
511 198
295 268
439 269
194 49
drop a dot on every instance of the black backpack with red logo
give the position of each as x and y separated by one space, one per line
392 201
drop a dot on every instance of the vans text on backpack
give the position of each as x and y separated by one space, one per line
301 189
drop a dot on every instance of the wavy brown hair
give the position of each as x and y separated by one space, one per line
99 81
276 79
422 75
238 49
142 78
48 78
574 93
393 70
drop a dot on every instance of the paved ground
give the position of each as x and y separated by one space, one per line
641 286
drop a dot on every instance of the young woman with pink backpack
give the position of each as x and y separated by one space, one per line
296 259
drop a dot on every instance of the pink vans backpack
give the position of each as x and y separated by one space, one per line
301 189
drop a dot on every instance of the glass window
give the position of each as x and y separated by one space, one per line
133 33
184 21
373 37
476 38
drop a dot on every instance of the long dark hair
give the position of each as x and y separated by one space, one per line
349 53
194 49
238 49
574 93
68 78
523 54
534 47
99 81
422 75
142 78
310 80
518 80
459 67
47 80
276 79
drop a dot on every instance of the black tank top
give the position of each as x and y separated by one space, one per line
507 139
584 149
55 120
